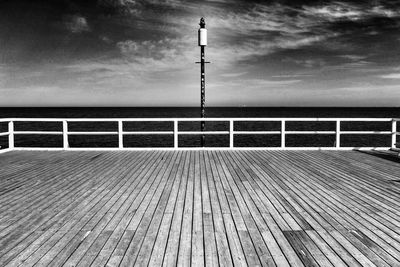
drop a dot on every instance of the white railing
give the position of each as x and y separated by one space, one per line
176 132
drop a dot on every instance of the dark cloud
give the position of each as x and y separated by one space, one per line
43 30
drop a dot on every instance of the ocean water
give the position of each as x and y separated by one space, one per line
184 112
193 141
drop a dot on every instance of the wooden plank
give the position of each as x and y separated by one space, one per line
197 222
298 199
228 245
325 248
361 258
252 233
300 249
49 222
376 248
171 251
358 219
314 250
235 214
153 230
97 216
370 255
61 193
136 188
143 218
185 242
37 180
210 246
158 252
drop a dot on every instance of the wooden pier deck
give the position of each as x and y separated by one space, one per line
242 208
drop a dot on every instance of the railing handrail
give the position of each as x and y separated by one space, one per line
176 132
306 119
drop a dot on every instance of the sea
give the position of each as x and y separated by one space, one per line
292 140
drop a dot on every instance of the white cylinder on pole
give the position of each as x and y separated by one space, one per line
202 37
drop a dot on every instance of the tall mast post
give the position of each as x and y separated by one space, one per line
202 37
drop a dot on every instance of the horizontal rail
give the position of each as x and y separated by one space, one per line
256 132
39 132
195 119
310 132
148 133
195 132
366 132
93 133
200 133
316 119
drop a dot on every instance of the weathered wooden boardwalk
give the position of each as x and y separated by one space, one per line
254 208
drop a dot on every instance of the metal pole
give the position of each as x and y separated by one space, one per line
203 93
202 44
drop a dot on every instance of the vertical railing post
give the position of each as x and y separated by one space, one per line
11 135
283 134
338 134
231 145
176 145
120 135
394 133
65 135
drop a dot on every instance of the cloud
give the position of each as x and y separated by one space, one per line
124 7
245 34
354 61
258 20
391 76
235 35
336 11
255 50
268 83
352 12
308 63
382 11
253 83
231 75
259 30
300 75
353 57
157 55
299 41
76 24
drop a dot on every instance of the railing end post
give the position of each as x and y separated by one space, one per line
120 135
11 135
176 140
231 130
65 135
337 145
283 133
394 133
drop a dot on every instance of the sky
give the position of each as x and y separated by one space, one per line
143 53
